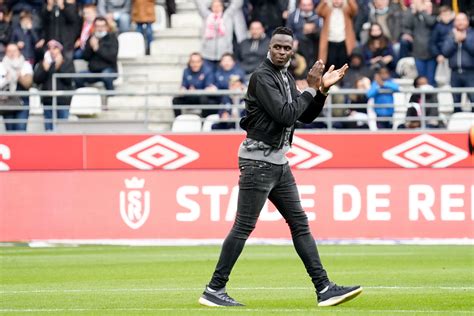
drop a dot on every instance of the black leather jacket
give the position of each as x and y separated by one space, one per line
268 110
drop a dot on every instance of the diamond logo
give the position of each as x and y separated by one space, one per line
304 154
155 152
426 151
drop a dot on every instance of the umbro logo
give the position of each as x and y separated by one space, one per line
157 152
304 154
425 151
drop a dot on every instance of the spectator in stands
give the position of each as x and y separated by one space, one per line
227 69
61 22
101 52
361 83
412 117
218 30
360 20
459 48
305 24
89 13
196 76
358 69
417 25
439 34
26 37
19 77
378 50
337 39
383 81
252 51
5 30
428 103
143 14
269 12
117 11
389 15
232 103
54 62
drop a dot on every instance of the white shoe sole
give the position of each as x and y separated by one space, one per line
341 299
205 302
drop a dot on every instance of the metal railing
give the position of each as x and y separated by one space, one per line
146 107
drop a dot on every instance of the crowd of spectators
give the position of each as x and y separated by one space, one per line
373 36
41 37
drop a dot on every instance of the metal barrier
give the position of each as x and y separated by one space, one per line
328 117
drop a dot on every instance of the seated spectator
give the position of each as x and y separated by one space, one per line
363 84
101 52
231 112
252 51
18 77
357 68
417 26
337 39
54 62
227 69
412 117
143 14
306 28
218 30
196 76
378 50
117 11
61 22
459 49
428 102
89 13
5 30
26 37
382 80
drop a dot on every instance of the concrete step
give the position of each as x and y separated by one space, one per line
185 7
158 73
154 102
185 46
183 20
149 86
182 32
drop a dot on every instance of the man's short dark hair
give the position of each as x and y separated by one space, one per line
283 30
101 19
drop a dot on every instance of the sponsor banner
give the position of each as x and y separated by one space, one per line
201 204
219 151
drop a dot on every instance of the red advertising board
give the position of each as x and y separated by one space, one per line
201 204
219 151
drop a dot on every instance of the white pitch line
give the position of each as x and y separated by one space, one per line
403 288
228 310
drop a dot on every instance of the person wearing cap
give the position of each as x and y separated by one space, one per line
54 62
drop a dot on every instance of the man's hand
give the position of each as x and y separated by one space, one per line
315 75
331 77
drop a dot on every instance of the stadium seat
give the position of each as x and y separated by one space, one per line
461 121
446 101
187 123
80 65
36 108
86 104
161 18
131 45
209 121
406 68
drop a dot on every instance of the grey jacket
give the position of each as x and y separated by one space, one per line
112 6
214 48
419 26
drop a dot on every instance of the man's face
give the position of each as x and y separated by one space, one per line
100 26
384 74
381 4
446 16
12 51
256 30
227 63
281 49
461 22
195 63
306 5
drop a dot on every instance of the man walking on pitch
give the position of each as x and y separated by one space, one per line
273 106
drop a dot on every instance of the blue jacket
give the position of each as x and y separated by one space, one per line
461 56
439 34
199 80
383 98
221 77
30 38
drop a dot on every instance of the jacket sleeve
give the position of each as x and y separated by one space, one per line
40 75
433 43
449 46
407 23
70 13
108 51
88 51
353 8
391 85
101 10
202 8
469 44
314 109
429 19
275 104
373 91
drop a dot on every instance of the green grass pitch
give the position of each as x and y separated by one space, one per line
270 280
